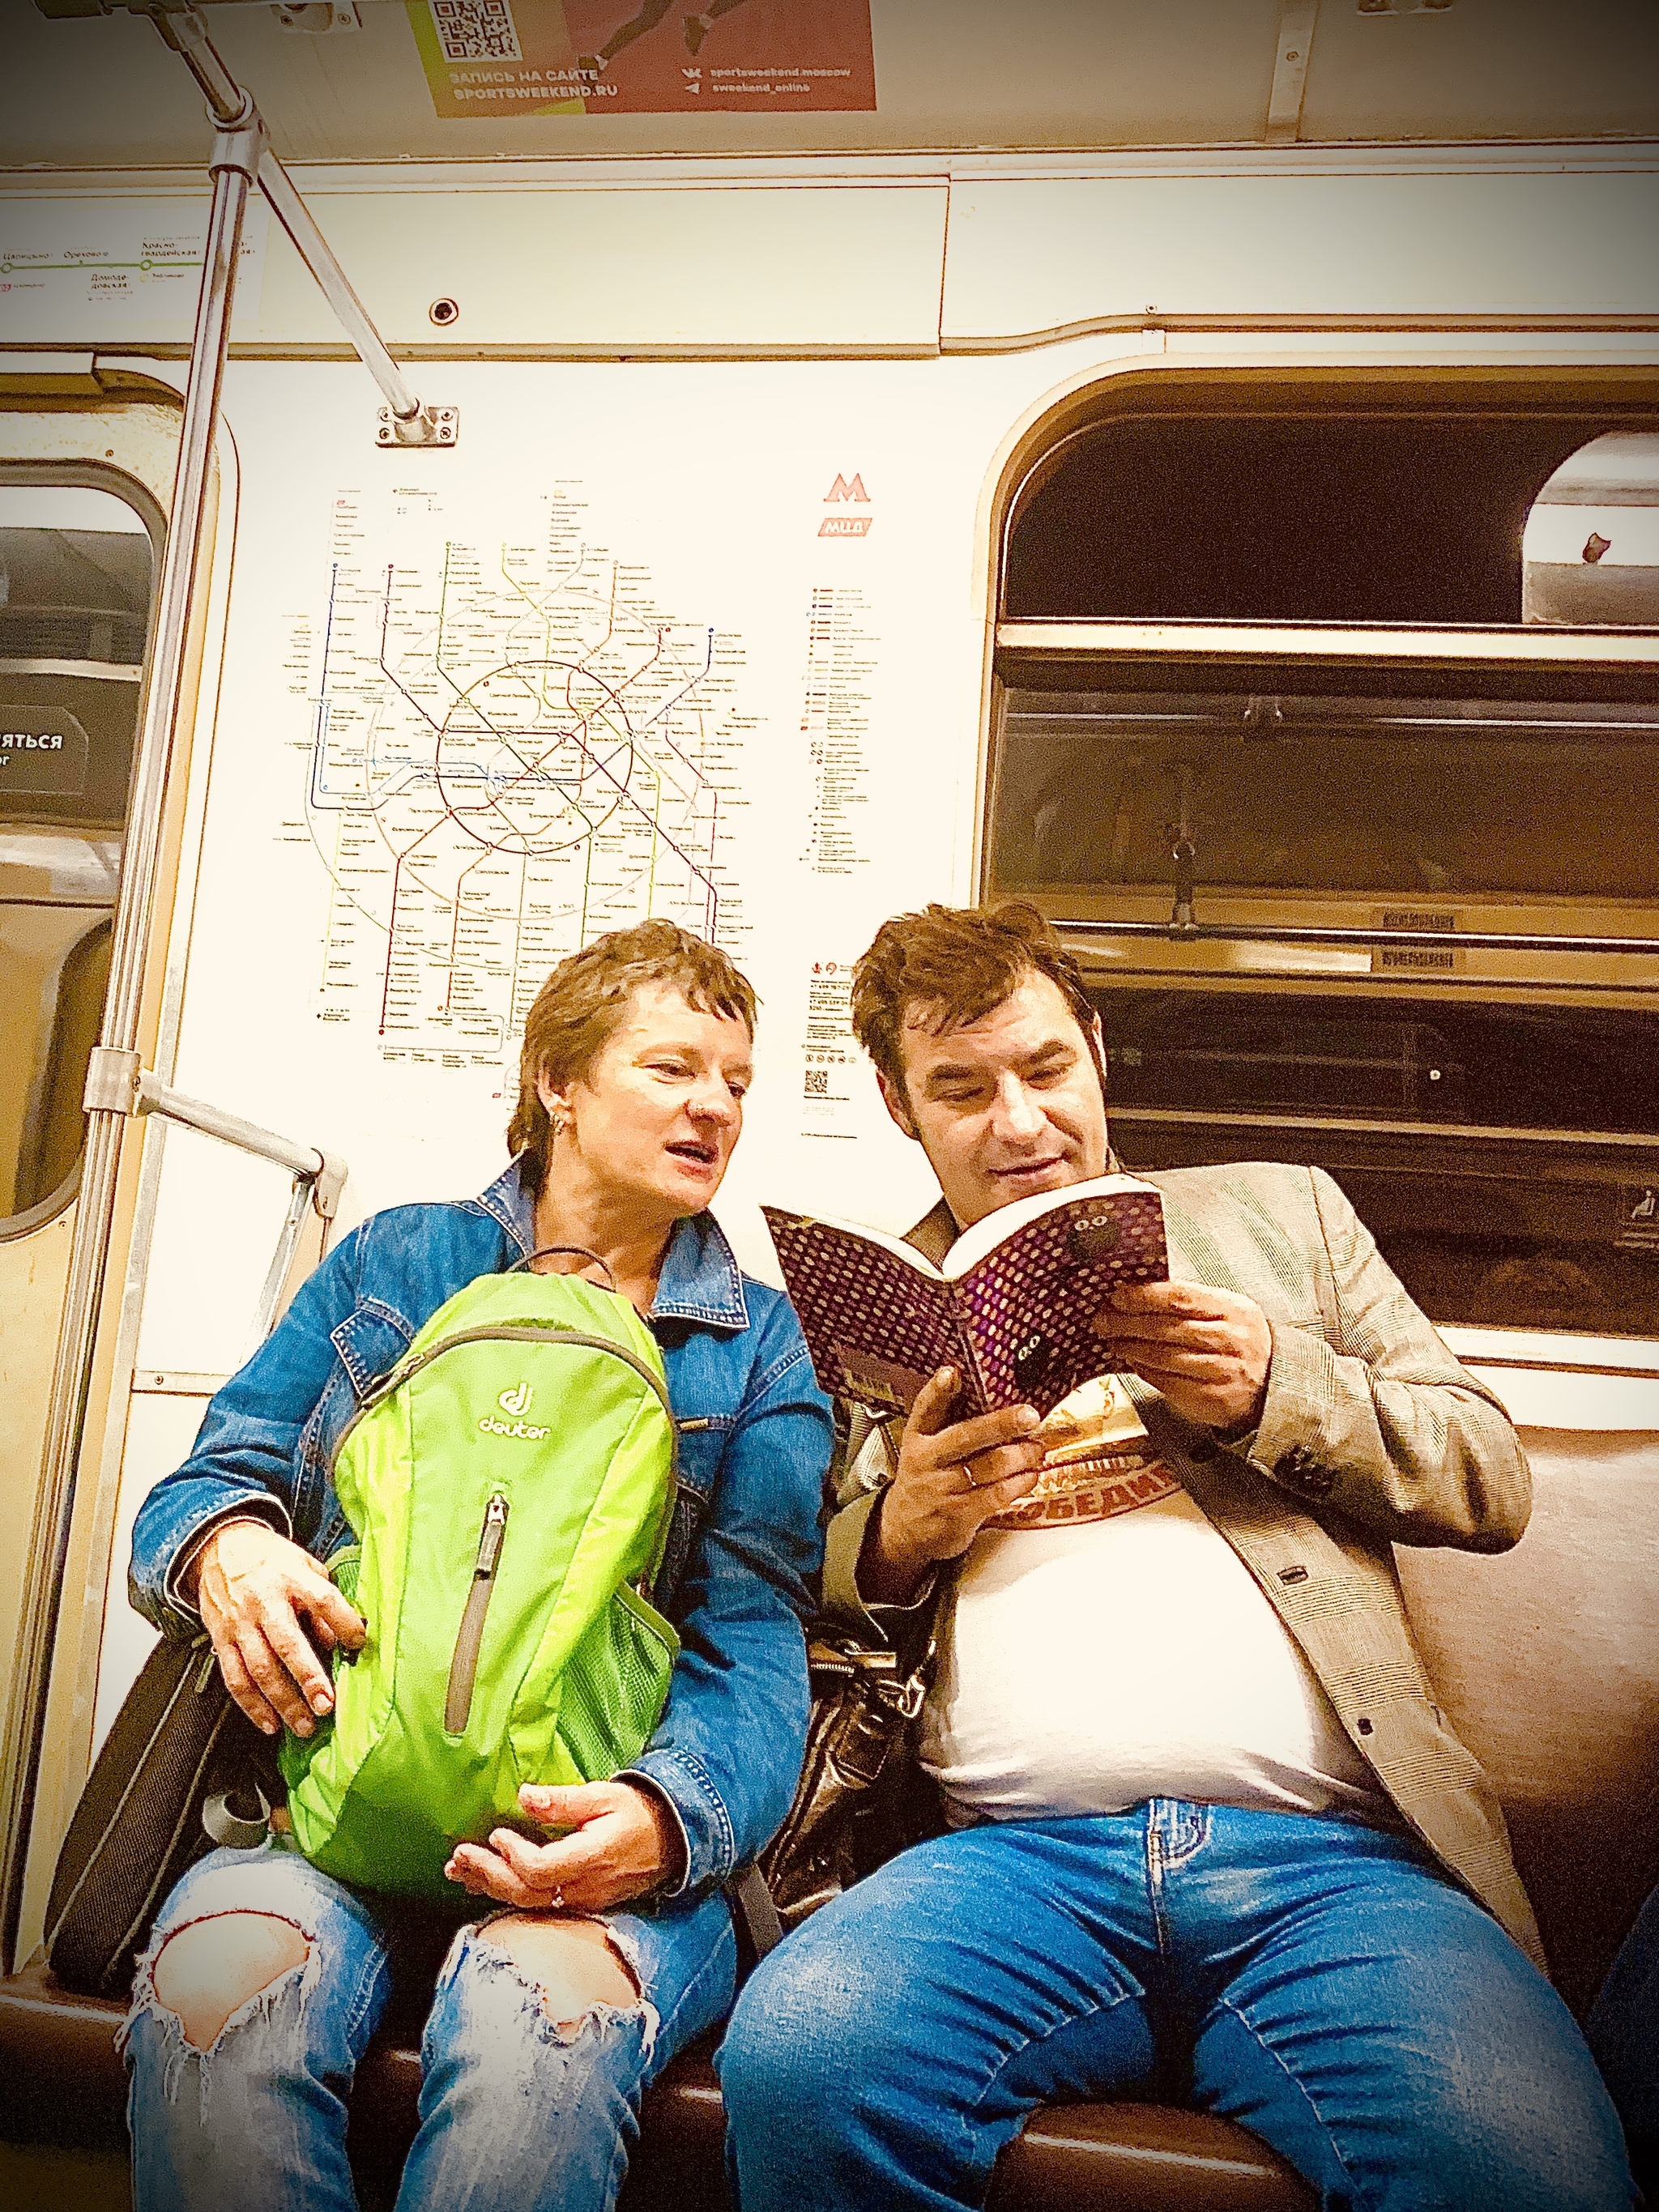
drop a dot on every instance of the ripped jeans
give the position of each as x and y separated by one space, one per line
518 2113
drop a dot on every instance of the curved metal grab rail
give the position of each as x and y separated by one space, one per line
117 1084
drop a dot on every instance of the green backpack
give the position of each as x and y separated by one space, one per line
510 1484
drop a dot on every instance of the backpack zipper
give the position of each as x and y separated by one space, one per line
464 1667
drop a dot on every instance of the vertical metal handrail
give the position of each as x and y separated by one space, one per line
288 1243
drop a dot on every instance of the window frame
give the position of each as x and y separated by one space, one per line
1109 653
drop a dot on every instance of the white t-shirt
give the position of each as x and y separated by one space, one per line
1106 1645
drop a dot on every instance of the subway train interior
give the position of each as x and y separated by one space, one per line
1192 465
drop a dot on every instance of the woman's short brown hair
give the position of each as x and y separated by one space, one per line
584 1001
950 965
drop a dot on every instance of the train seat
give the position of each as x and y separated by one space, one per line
1547 1659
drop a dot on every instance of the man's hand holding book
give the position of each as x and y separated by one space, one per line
951 1477
1207 1351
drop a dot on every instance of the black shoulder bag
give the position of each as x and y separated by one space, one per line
182 1769
856 1804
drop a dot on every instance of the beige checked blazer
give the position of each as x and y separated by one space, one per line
1372 1435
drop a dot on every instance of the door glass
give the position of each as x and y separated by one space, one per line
76 569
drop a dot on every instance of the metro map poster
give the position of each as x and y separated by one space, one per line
490 57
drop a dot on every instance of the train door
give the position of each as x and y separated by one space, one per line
86 473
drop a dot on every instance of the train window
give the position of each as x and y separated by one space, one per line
1590 554
1492 1115
1498 1150
1369 517
1415 798
1503 1156
76 574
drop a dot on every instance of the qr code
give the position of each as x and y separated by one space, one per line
476 30
818 1083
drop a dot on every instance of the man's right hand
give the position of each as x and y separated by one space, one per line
258 1594
951 1477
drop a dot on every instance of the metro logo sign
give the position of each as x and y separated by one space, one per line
846 525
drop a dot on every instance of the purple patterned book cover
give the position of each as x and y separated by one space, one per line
876 1325
1016 1320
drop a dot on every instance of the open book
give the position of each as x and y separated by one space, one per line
1009 1310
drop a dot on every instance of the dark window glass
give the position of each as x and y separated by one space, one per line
1376 518
1426 1061
1482 1225
1419 797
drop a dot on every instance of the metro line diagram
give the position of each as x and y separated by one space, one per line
512 749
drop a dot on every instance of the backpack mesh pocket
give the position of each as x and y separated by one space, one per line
616 1686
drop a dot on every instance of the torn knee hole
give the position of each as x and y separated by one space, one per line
206 1973
576 1968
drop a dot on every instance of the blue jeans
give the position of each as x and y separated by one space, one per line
1624 2034
1318 1982
517 2115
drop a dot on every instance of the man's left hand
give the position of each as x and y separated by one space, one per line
624 1841
1207 1351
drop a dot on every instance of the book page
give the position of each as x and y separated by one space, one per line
997 1228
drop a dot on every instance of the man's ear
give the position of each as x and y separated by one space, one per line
893 1099
1099 1036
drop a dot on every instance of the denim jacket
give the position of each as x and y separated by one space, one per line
755 1441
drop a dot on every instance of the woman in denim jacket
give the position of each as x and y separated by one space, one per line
264 1979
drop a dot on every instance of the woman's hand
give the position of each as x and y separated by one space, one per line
952 1477
258 1595
625 1842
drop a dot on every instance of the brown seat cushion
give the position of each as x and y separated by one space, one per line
1547 1662
61 2079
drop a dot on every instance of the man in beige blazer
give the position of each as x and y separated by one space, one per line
1209 1832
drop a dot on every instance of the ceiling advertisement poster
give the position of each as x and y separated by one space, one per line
490 57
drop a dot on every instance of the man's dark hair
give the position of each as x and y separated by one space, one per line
950 965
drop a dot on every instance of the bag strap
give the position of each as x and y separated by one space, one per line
753 1900
575 1251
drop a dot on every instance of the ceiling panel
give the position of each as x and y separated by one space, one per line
952 75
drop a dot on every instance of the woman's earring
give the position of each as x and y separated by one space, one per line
558 1124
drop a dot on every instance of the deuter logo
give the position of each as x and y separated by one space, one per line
515 1401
